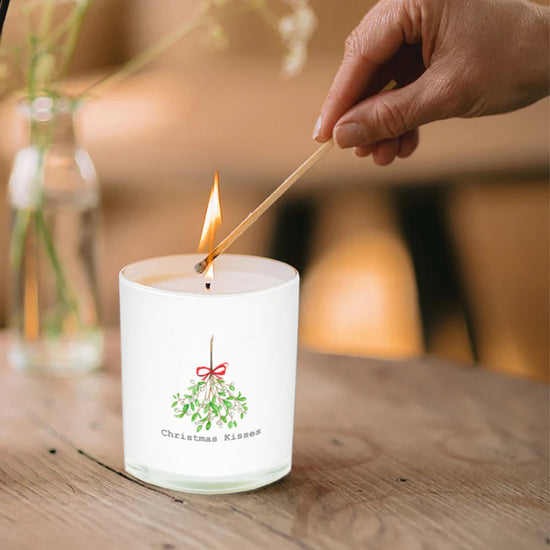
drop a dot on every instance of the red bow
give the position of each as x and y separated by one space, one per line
205 372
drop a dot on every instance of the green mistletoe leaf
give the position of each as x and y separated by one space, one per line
227 403
208 425
199 427
223 419
242 415
174 403
201 383
234 424
232 388
179 415
194 417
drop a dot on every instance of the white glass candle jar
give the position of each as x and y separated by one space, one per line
208 376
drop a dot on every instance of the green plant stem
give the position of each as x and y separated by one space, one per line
269 18
46 19
20 228
200 20
23 216
70 44
31 80
26 11
149 54
63 27
61 284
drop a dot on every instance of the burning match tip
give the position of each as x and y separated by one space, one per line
208 285
201 266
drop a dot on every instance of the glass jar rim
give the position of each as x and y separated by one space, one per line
44 108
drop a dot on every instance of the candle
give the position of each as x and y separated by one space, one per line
208 376
227 282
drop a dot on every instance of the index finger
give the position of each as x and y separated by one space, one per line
371 44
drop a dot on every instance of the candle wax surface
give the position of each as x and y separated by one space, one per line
225 281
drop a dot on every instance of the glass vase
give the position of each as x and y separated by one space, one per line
54 201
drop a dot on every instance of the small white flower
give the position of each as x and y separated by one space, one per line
296 30
295 4
294 61
298 26
216 37
287 27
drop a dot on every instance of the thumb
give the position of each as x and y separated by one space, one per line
393 113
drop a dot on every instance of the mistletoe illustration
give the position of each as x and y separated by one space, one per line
211 399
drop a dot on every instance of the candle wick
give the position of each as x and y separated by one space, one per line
207 285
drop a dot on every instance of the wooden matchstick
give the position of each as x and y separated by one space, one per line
253 216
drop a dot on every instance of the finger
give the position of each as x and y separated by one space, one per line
385 151
364 150
373 42
396 112
408 143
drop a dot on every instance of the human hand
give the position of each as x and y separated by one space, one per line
450 58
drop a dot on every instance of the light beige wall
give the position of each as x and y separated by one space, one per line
248 35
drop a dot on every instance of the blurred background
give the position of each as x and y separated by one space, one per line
445 253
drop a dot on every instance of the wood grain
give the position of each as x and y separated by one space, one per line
416 454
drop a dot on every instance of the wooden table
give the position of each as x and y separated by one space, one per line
414 454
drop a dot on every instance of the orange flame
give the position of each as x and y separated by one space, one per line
209 273
212 220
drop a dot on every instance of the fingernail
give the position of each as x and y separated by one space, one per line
349 134
317 128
